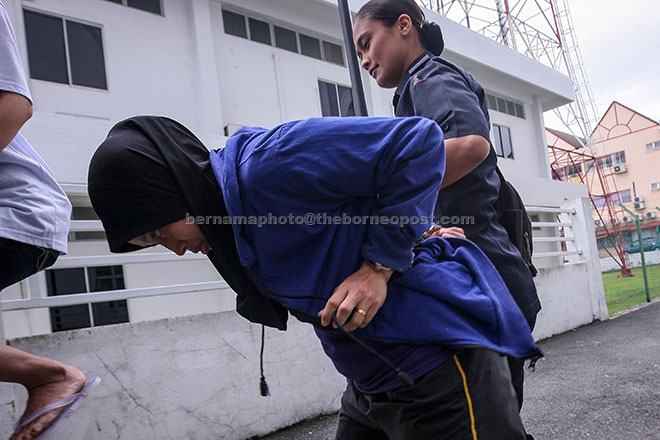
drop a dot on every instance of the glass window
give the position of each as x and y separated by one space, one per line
310 46
328 95
46 49
501 105
507 147
626 196
497 140
345 101
285 39
502 141
336 100
69 281
520 111
333 53
259 31
146 5
619 157
86 55
511 108
234 24
653 146
492 102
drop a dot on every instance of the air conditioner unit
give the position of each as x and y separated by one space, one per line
616 221
639 199
620 169
651 214
628 219
598 222
640 216
639 206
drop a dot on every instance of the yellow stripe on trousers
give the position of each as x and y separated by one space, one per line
467 396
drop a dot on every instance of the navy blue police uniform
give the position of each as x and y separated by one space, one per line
439 90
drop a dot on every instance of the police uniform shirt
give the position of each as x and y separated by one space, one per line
439 90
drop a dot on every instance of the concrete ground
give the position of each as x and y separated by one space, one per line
601 381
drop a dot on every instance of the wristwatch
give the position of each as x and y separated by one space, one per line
378 266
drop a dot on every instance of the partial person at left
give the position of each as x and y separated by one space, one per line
35 221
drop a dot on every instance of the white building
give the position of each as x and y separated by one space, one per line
214 66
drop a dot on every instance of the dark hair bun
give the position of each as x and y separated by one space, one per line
431 36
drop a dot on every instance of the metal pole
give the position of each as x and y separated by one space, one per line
359 102
641 250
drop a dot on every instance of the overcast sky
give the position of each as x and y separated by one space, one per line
620 45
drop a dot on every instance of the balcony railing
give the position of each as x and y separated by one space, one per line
560 232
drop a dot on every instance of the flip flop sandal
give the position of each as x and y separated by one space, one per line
70 403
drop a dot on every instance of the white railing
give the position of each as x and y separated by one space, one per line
33 302
564 227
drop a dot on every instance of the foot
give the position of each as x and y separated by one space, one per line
41 395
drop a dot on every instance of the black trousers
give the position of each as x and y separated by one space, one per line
469 397
20 260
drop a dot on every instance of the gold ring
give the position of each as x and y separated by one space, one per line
362 312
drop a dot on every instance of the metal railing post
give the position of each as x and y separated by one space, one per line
641 251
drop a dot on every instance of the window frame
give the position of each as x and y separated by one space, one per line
125 4
337 97
498 140
322 39
67 54
503 104
49 273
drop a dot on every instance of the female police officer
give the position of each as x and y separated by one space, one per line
400 49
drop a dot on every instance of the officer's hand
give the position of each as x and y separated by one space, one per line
439 231
363 292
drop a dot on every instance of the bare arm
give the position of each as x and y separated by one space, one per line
464 154
15 110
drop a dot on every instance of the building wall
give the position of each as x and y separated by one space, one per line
182 64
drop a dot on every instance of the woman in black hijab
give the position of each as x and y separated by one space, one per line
151 172
151 175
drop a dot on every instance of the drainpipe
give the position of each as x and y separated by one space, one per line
359 102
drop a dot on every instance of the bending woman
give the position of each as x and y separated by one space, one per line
352 198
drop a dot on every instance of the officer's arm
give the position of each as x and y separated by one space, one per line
464 154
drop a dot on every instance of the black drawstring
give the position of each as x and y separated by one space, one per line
402 375
263 386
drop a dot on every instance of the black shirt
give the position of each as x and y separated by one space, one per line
439 90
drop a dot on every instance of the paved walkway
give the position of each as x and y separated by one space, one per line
601 381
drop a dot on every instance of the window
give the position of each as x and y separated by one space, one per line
505 105
259 31
333 53
234 24
254 29
610 160
310 46
653 146
64 51
624 196
79 280
336 100
502 141
286 39
568 171
145 5
655 186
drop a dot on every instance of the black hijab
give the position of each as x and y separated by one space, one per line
151 171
